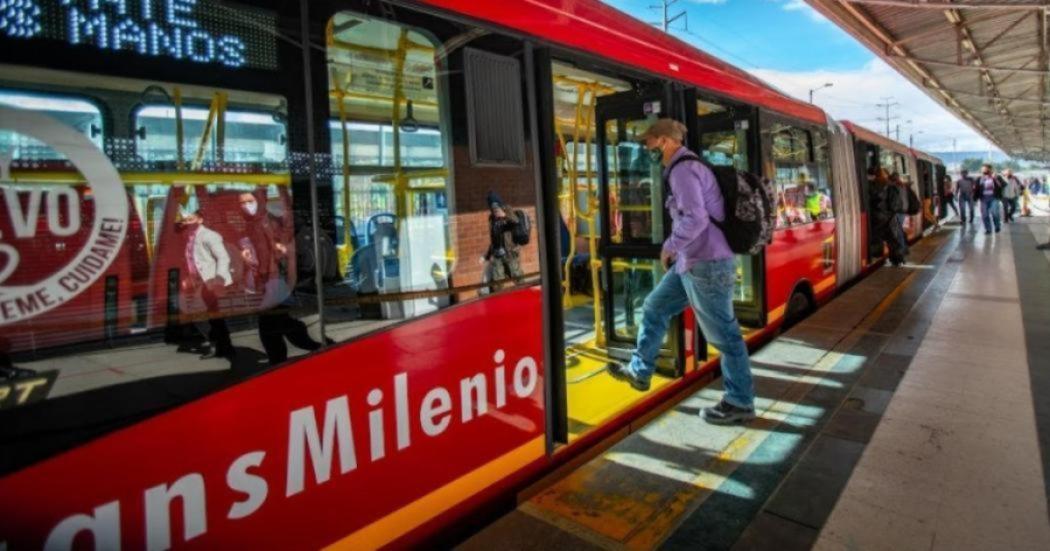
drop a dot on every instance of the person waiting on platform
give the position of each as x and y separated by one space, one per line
502 257
885 226
897 196
701 272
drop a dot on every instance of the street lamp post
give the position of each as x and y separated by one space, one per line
811 90
911 138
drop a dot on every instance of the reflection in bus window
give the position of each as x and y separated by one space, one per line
205 268
250 137
80 114
802 175
390 177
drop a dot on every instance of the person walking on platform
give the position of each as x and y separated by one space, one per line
948 191
990 191
964 188
264 256
701 272
1012 189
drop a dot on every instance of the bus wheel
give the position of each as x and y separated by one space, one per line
799 306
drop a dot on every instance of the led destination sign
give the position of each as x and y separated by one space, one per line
199 31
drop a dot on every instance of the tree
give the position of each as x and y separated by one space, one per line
971 164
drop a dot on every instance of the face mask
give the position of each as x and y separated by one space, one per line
656 154
250 208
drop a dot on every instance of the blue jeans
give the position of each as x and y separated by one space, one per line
708 287
990 207
902 237
965 203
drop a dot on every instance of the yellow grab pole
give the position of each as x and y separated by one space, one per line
400 184
346 174
198 159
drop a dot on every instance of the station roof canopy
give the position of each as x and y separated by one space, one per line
984 60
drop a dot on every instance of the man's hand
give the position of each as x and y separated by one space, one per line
666 259
280 248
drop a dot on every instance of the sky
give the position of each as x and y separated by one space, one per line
794 48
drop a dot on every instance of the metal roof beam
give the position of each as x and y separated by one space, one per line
981 67
1009 28
881 40
942 5
956 18
939 30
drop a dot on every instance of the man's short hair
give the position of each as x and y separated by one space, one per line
664 127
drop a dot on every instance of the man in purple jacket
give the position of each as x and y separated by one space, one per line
701 273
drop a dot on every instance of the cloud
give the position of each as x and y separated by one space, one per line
708 1
854 96
802 6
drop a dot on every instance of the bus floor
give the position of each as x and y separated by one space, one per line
593 396
901 415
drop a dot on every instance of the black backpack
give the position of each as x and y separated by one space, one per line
914 205
750 214
522 230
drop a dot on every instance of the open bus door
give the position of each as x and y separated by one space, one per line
633 221
728 136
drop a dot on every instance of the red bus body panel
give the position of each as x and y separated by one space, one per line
799 254
599 29
207 435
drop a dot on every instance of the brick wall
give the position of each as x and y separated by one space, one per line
470 218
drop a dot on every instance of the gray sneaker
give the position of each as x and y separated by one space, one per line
621 373
726 414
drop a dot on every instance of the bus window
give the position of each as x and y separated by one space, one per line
389 150
801 179
823 206
157 284
723 142
78 113
250 136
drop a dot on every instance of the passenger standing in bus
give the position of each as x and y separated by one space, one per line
208 269
701 272
990 189
501 258
964 188
263 252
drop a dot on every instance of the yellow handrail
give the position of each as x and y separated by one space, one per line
22 176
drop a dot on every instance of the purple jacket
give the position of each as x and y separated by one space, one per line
694 200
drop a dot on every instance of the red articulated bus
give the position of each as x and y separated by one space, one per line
306 346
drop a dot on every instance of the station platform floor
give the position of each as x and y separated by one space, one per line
911 412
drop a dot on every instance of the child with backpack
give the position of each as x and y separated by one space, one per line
716 212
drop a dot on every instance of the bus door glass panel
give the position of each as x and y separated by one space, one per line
724 136
390 147
634 221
